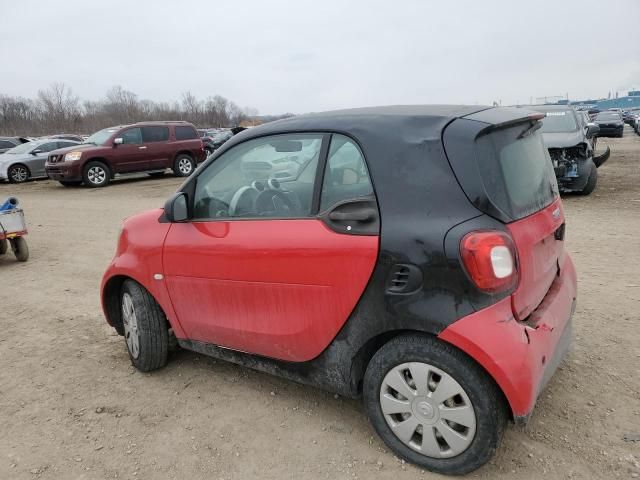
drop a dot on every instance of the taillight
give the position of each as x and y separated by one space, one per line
490 260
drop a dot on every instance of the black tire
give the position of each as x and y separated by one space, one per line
20 248
70 183
486 399
4 246
152 328
18 173
208 152
156 174
591 182
96 174
184 165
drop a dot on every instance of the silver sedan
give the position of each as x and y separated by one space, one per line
26 161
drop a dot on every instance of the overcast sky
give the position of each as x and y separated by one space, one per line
298 55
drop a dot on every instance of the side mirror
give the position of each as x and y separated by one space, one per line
118 141
593 129
37 151
175 209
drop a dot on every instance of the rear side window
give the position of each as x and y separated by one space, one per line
155 134
186 133
516 170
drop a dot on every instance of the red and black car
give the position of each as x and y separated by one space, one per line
412 256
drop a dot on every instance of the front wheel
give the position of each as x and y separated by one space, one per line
96 174
184 165
592 181
146 331
20 248
433 405
18 173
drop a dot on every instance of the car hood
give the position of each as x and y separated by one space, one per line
81 146
563 139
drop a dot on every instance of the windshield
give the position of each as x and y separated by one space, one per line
609 117
23 148
559 121
99 138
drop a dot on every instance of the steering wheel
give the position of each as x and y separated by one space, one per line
243 201
276 201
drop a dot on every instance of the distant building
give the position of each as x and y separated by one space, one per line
632 100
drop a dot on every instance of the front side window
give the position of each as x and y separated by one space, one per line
345 176
155 134
47 147
269 177
132 136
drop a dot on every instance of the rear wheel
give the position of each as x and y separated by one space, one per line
146 331
591 182
96 174
184 165
18 173
433 405
20 248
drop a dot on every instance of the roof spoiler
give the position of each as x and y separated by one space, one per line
501 117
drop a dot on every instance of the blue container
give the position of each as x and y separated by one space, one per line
9 204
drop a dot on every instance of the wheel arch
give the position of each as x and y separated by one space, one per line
101 160
368 350
111 300
184 152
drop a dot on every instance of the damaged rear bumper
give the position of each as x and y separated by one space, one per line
520 356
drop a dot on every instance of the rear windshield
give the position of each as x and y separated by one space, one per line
516 170
559 121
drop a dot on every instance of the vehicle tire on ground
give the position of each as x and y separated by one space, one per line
18 173
146 331
184 165
591 182
96 174
208 152
156 174
433 405
20 248
4 246
70 183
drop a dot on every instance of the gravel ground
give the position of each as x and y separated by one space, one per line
72 406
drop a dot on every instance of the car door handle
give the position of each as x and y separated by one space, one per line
363 215
142 147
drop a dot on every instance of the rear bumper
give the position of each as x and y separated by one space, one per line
520 356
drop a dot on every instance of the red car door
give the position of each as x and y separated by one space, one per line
271 277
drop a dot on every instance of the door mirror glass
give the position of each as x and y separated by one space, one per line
118 141
175 209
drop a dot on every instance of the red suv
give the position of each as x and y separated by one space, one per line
142 147
411 256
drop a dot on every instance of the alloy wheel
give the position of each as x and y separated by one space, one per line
19 174
96 175
185 166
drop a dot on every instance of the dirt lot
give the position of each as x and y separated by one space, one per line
72 406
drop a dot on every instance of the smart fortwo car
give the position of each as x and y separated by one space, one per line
416 259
